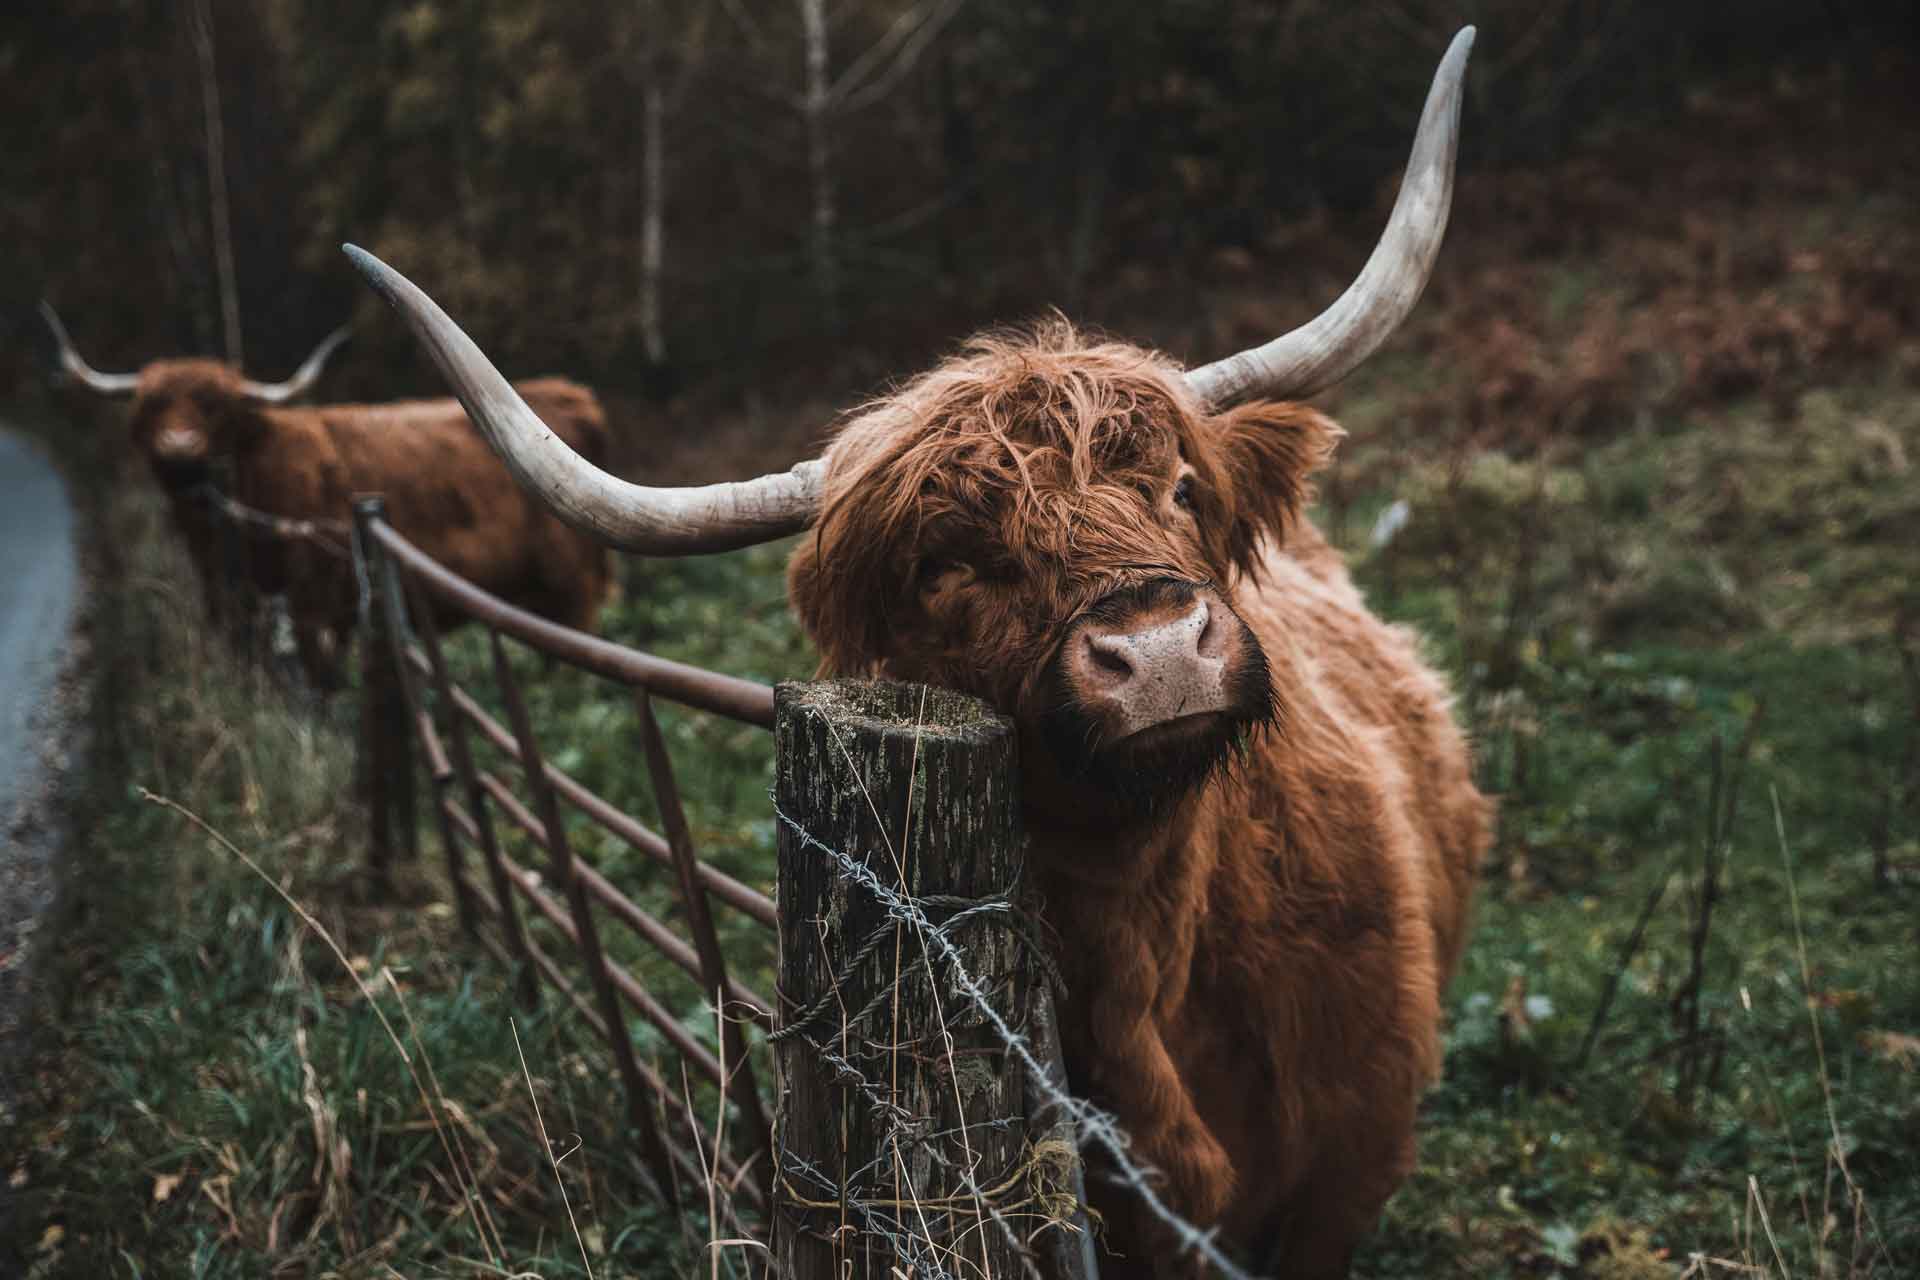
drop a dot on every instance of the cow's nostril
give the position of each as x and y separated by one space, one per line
1109 657
1212 639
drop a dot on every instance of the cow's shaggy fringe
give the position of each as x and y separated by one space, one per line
1092 1124
1066 432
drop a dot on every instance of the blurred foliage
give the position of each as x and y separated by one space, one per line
1021 155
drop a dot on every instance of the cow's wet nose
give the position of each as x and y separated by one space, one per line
178 444
1151 674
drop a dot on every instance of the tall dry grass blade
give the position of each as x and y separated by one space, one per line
1836 1147
1759 1204
464 1177
719 1134
541 1126
586 1166
1780 1109
306 917
715 1242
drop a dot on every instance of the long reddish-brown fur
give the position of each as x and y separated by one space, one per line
445 491
1254 967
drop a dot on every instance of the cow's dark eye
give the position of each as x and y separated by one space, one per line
1183 493
929 572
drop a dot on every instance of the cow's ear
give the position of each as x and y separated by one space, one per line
1270 451
832 597
806 583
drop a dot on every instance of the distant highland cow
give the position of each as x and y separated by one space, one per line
444 488
1250 812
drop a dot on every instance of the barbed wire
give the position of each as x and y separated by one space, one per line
1092 1124
887 1219
321 533
966 910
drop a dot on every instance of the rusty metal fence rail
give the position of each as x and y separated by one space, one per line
415 713
445 722
818 1187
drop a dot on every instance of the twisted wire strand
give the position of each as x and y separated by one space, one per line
324 534
884 1218
968 910
1092 1123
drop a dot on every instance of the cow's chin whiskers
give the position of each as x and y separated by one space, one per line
1147 774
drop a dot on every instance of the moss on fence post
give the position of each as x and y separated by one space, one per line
897 1099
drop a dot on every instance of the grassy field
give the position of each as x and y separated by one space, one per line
215 1098
1663 532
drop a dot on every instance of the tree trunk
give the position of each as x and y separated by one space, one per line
217 206
185 276
817 106
653 213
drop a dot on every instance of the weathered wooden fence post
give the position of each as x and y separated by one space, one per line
386 762
901 1137
421 735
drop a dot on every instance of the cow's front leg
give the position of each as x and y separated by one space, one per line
1341 1198
322 624
318 645
1133 1071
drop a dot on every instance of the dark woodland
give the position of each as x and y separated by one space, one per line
1127 163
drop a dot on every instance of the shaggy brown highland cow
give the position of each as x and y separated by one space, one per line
1249 810
1261 889
444 488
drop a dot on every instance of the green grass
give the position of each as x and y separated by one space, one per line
1675 584
1521 1145
210 1095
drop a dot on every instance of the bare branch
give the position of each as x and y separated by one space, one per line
756 39
201 25
903 42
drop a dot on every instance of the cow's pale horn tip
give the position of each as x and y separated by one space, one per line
386 282
376 271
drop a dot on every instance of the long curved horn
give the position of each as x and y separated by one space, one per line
107 384
632 517
1329 347
303 377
